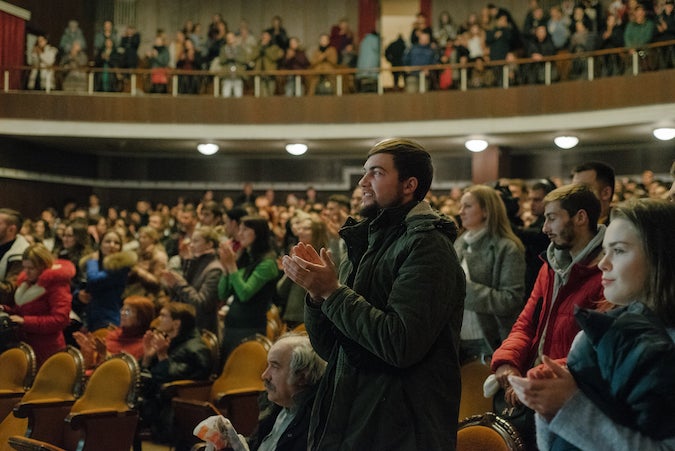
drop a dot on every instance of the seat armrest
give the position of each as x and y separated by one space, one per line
189 389
102 429
220 400
78 420
28 444
7 402
45 418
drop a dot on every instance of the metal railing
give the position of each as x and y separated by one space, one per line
504 74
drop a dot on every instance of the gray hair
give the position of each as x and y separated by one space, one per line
306 367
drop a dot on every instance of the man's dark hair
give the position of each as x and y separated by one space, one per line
544 185
341 200
410 160
604 173
236 213
213 207
183 312
577 197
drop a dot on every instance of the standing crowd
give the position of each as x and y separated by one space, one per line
490 34
396 287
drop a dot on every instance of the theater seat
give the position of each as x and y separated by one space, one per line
234 394
57 383
17 371
103 418
487 432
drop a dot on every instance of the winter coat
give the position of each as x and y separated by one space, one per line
45 307
556 319
105 285
624 363
201 291
495 286
189 358
390 334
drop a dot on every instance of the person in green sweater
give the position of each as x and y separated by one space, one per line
640 30
248 283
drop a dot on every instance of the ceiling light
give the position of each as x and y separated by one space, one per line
476 145
296 149
664 133
566 142
207 148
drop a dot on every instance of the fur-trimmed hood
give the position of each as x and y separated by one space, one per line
120 260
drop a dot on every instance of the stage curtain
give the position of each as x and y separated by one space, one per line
369 13
12 46
425 8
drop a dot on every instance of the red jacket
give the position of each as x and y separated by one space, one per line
583 288
45 308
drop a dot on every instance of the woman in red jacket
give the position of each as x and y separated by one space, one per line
42 301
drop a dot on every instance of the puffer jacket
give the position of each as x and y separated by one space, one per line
624 363
45 307
541 314
390 334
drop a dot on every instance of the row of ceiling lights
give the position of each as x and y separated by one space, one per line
474 145
569 141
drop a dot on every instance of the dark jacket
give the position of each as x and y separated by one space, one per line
390 335
189 358
295 435
624 363
106 284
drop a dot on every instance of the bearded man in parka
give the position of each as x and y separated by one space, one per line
389 325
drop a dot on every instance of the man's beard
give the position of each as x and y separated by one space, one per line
567 237
370 211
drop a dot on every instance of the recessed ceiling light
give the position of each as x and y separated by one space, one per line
476 145
664 133
207 148
566 142
296 149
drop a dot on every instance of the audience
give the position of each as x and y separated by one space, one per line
570 26
252 271
616 391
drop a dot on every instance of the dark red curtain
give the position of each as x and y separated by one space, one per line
369 13
12 47
425 8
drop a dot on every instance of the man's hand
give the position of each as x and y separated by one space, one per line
313 271
545 396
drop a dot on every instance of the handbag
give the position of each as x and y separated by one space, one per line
520 417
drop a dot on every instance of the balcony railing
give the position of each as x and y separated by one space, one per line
504 74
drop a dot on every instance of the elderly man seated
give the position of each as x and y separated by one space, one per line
292 374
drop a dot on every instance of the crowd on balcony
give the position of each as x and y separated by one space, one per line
491 35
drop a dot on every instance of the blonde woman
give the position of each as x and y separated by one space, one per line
493 259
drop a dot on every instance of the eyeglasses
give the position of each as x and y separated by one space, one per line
126 311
